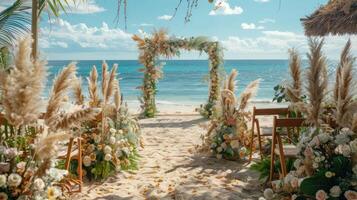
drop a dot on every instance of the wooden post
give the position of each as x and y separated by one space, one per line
34 28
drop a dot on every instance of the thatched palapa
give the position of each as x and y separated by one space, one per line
337 17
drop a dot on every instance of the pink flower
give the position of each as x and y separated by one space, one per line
351 195
321 195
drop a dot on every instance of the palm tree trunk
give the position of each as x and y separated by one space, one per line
34 28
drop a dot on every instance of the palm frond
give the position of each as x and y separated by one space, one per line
14 22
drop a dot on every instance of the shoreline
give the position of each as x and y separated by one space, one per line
167 109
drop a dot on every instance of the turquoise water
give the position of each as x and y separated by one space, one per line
184 81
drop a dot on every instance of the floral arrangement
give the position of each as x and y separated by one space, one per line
326 167
110 141
160 44
228 136
29 137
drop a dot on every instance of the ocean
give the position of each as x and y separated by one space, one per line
185 81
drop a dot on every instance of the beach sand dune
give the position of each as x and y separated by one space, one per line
170 168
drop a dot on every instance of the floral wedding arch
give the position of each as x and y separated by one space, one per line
159 44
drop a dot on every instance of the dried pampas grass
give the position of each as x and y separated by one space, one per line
73 119
61 85
111 84
317 81
77 90
293 91
248 93
346 107
104 78
22 87
93 88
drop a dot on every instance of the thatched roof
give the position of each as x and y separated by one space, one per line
337 17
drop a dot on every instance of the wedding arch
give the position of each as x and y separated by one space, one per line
160 44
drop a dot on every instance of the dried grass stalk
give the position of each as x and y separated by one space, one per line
231 82
104 78
74 119
294 90
93 88
61 85
248 93
78 94
22 87
345 56
354 123
345 105
117 99
111 85
45 146
317 81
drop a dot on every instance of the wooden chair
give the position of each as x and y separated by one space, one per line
74 154
265 131
283 151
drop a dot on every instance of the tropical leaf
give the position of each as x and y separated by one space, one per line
14 22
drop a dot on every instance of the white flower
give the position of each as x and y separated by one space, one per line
219 156
53 192
342 138
108 157
21 166
3 196
354 169
112 140
353 145
297 163
323 137
317 159
38 184
335 191
328 174
346 131
107 149
118 168
315 165
343 149
288 178
112 130
294 196
268 193
120 131
219 149
11 153
87 161
2 180
14 180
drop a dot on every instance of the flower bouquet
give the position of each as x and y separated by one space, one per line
29 138
110 141
228 136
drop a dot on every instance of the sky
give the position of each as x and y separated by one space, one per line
247 29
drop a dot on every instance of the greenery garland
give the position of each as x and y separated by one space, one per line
160 44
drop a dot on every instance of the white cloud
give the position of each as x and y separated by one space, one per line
262 1
165 17
267 20
222 7
275 44
145 24
86 7
63 34
251 26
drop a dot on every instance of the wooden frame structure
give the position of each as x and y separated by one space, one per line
261 133
283 151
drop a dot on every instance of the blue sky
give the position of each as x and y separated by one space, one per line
248 29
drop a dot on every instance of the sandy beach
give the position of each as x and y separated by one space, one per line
170 167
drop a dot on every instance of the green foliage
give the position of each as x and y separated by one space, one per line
310 186
263 167
14 22
279 94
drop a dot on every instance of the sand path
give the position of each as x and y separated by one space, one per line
169 169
